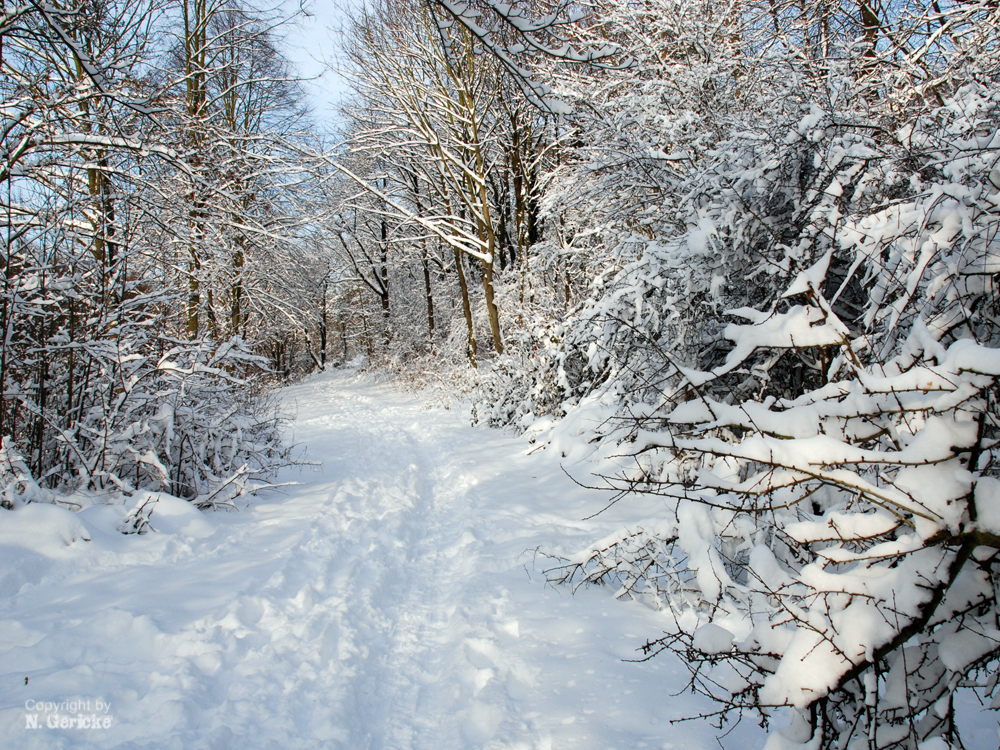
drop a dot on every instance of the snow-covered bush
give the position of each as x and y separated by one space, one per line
16 483
182 422
189 427
521 384
146 223
834 545
763 204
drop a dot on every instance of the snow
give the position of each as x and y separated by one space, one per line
42 528
961 649
712 639
988 504
394 599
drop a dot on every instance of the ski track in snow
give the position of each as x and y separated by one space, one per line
393 600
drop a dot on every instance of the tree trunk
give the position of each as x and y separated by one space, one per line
491 307
322 327
194 296
871 25
384 276
430 296
427 270
467 309
236 310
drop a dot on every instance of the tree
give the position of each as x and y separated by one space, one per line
809 370
425 122
99 390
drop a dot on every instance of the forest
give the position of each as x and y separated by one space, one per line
746 250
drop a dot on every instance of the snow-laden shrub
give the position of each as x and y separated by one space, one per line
17 485
522 384
727 226
765 205
194 429
834 545
181 422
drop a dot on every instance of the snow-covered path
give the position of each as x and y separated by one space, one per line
391 601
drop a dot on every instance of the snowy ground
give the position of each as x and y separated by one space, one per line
391 601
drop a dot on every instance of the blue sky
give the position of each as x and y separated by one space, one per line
311 45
